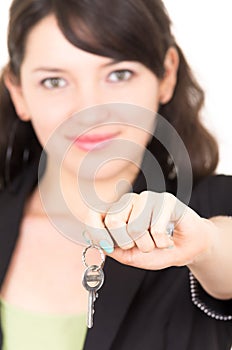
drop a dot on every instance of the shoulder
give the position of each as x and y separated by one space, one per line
13 197
213 196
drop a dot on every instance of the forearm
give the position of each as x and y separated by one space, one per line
213 269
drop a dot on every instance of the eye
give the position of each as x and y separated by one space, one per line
54 83
120 75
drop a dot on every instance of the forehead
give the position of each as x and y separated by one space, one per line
46 45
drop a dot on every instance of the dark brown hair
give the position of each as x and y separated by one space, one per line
125 30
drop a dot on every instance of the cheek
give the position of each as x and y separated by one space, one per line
45 110
141 126
146 93
139 138
43 129
151 101
46 118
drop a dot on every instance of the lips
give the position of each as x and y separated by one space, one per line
94 142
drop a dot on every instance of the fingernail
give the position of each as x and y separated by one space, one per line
106 246
170 247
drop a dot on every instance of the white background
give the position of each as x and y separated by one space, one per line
203 29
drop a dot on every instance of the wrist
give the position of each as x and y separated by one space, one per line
210 238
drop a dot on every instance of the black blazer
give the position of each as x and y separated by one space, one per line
139 309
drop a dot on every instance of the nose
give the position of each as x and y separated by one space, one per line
92 106
93 115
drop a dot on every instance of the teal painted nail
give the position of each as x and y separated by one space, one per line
170 247
106 246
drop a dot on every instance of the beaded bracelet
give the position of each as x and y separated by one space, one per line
194 289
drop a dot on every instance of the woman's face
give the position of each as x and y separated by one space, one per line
58 80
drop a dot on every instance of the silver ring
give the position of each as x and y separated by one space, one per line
170 230
93 246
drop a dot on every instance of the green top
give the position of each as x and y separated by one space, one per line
27 330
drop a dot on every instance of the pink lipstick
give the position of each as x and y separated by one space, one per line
95 141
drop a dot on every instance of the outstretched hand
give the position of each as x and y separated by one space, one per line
134 231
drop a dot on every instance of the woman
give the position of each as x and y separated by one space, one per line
72 66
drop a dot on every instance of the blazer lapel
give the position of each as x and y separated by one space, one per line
120 286
12 207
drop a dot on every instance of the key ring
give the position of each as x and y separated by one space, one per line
93 246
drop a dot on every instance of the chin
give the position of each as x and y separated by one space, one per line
107 172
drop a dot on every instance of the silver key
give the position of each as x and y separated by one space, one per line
93 279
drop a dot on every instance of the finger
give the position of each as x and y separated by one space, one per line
155 260
116 220
139 222
96 231
145 242
160 223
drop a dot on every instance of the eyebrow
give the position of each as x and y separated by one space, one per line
59 70
48 69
